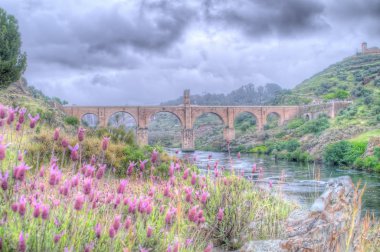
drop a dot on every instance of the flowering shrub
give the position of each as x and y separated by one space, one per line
72 202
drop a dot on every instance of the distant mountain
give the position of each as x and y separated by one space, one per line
246 95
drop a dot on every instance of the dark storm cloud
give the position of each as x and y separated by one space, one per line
270 17
148 26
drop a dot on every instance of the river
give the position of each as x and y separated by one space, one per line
300 182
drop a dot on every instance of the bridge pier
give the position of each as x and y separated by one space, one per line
142 136
229 134
188 140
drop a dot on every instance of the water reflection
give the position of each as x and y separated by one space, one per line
301 182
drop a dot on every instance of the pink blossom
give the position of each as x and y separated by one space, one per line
33 120
142 165
238 155
21 115
87 186
220 214
14 207
122 185
132 206
55 175
112 232
65 143
100 172
45 212
3 112
270 183
186 174
57 237
19 171
98 231
253 168
81 132
89 171
204 197
130 168
74 181
22 206
93 160
78 204
193 178
171 170
56 134
37 210
154 156
105 143
4 180
21 243
3 149
128 223
11 115
209 247
74 152
149 232
189 192
116 222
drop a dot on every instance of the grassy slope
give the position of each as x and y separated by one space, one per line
20 95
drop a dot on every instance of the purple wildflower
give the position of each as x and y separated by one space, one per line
74 152
33 120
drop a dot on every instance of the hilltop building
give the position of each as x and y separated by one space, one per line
372 50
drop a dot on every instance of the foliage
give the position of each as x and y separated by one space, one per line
12 61
295 123
314 126
337 94
240 205
72 120
367 163
343 153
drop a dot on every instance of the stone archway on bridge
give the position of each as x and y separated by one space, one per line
273 120
123 119
90 120
209 128
245 121
165 128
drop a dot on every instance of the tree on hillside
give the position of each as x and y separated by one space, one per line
12 61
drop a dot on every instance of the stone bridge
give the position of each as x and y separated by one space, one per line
188 113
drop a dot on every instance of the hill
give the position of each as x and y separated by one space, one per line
248 95
19 94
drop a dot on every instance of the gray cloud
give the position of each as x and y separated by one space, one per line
271 17
147 51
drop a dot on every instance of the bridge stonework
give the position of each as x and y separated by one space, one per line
188 113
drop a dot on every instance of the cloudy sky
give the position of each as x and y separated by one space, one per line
120 52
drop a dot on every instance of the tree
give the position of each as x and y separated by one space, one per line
12 61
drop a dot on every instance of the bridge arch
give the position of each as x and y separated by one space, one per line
273 119
165 128
207 124
245 120
90 120
122 118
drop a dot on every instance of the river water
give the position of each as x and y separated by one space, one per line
302 183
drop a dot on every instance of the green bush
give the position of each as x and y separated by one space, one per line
314 126
367 163
261 149
343 153
71 120
295 123
376 153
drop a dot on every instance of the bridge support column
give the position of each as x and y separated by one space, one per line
142 136
188 140
229 134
